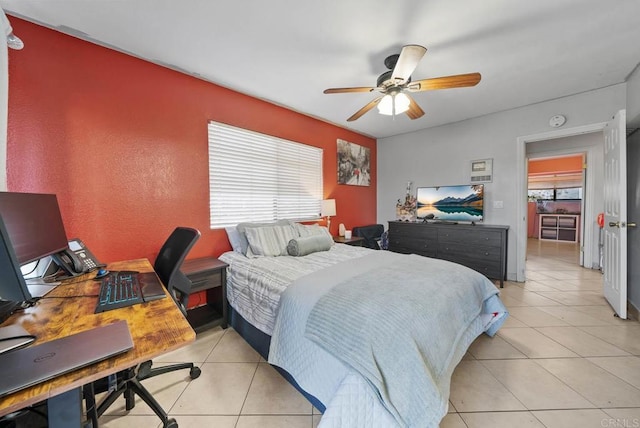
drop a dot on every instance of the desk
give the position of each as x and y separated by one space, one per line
156 327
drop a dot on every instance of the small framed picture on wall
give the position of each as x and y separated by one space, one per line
353 164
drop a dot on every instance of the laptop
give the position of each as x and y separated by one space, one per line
30 366
13 337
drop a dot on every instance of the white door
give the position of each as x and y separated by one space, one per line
615 214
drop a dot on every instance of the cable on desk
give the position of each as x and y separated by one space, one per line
35 266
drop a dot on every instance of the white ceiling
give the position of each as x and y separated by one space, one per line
288 51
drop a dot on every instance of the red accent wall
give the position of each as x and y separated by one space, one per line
123 143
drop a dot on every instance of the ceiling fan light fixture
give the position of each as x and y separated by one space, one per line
400 101
396 84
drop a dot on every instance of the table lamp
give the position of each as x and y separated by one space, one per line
328 208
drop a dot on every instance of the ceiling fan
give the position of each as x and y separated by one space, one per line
396 83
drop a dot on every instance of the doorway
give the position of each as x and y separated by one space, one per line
587 139
555 203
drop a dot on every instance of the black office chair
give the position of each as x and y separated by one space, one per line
372 235
167 266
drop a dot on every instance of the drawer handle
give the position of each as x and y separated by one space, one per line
486 254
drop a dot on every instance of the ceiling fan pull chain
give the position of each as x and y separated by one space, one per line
393 106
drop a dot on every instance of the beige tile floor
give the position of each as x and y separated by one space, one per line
561 360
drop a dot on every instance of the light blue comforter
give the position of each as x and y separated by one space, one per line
401 322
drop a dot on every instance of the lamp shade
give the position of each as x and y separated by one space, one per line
328 207
401 101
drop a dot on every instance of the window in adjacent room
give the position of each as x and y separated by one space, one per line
257 177
569 193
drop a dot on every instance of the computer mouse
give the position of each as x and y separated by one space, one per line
101 273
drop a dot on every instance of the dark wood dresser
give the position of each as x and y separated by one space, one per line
480 247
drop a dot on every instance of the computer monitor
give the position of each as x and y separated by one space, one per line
14 294
13 287
34 224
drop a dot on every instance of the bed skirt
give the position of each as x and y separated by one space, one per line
261 341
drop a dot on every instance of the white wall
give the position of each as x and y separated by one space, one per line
441 155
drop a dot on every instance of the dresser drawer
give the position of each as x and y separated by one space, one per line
424 250
480 247
410 238
412 230
205 280
489 267
486 260
490 270
480 237
468 252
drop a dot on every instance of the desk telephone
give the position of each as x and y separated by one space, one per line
77 259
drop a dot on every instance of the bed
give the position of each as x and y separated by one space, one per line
370 337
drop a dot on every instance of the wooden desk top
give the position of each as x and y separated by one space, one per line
156 327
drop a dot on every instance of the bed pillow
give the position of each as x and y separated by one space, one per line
305 230
269 241
242 228
235 239
309 244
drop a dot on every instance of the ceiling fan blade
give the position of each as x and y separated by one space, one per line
414 111
345 90
446 82
407 63
364 109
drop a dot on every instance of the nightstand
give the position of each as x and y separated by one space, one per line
356 241
210 274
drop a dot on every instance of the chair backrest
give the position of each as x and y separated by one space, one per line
371 234
169 260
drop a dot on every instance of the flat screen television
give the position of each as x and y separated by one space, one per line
451 203
34 224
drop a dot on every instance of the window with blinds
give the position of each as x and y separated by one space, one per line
257 177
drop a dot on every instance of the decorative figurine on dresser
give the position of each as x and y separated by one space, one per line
406 210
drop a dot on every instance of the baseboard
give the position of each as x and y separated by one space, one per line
632 312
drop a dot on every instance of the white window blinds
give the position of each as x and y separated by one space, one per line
257 177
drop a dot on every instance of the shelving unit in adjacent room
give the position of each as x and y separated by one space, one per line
559 227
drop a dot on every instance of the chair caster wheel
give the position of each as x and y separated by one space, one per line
171 423
194 373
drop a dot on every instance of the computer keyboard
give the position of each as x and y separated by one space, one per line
118 290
